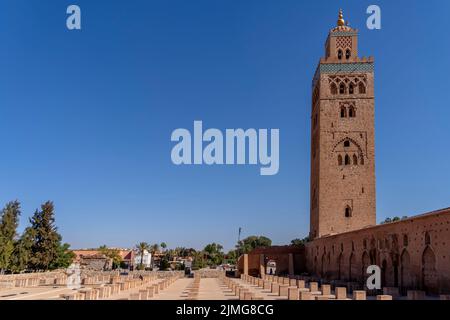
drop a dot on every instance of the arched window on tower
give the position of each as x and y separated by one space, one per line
342 88
347 160
333 89
362 160
343 112
351 112
351 88
340 160
340 53
361 88
346 143
348 54
355 160
348 212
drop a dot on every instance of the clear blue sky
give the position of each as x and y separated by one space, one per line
86 116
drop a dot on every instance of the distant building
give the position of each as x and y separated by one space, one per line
86 257
146 259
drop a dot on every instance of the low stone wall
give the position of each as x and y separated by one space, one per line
32 279
209 273
411 253
158 274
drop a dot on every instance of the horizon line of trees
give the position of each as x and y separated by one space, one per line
38 248
212 254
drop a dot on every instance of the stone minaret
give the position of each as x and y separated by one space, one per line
342 137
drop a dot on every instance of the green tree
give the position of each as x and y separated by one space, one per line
164 264
199 260
22 252
112 254
141 248
252 242
387 220
163 245
46 241
9 220
299 242
214 254
64 257
154 248
231 257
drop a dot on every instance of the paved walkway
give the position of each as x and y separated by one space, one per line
209 289
212 289
176 291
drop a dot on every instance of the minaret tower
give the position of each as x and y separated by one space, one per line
342 137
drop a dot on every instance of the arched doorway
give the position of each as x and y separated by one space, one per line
271 267
429 275
365 264
340 267
323 266
383 273
406 281
315 265
352 273
328 266
395 269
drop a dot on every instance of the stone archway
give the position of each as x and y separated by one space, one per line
328 266
365 264
406 280
352 268
429 274
395 272
271 267
383 273
315 265
323 268
340 262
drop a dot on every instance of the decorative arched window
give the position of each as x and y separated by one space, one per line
362 160
346 143
351 88
340 160
405 240
347 160
348 212
342 88
343 112
355 160
348 54
333 89
351 112
340 53
361 88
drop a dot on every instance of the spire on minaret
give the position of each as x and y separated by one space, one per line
341 21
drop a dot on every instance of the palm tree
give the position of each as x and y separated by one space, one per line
153 249
141 248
